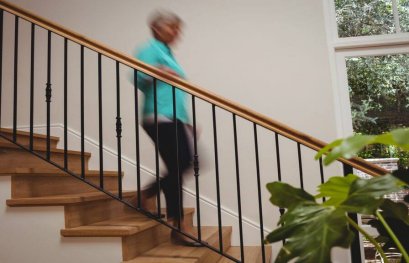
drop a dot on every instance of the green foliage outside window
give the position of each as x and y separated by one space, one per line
370 17
379 93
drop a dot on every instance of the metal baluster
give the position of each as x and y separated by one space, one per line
1 58
282 210
138 158
155 106
65 104
48 96
15 78
101 139
236 153
356 255
216 158
322 174
118 130
177 156
32 87
82 116
260 207
196 170
300 165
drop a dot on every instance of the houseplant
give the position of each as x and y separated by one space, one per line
311 227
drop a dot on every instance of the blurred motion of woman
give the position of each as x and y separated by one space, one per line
176 154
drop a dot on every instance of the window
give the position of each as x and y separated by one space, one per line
371 17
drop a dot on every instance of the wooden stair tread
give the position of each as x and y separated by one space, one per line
252 254
57 200
117 227
51 172
168 250
9 145
25 133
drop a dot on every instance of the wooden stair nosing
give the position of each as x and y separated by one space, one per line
51 172
27 134
43 149
59 200
117 227
162 260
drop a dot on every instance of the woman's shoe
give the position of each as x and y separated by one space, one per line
179 239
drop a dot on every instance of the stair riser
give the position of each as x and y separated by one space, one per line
135 245
16 158
38 186
25 141
92 212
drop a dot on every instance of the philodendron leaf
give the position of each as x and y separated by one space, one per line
350 146
284 195
347 148
391 209
365 195
336 189
311 231
398 137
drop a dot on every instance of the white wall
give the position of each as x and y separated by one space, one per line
32 234
271 56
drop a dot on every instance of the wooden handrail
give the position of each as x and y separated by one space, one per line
199 92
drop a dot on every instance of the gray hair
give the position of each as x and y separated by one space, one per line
161 17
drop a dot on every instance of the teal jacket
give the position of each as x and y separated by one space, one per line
156 53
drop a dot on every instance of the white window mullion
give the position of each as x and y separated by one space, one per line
396 15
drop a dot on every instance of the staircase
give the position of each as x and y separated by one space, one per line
90 213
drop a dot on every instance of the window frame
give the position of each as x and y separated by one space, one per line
342 48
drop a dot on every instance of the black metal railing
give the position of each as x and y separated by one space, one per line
275 137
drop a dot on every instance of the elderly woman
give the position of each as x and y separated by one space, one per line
176 154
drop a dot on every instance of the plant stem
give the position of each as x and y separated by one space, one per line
371 239
393 236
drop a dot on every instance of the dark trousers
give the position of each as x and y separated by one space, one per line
177 156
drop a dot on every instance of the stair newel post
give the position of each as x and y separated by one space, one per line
1 57
32 86
300 165
65 103
118 130
356 255
178 178
196 169
260 204
155 109
236 155
138 158
216 159
48 94
16 26
100 128
82 114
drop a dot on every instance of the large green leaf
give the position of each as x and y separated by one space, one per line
347 148
365 195
284 195
336 189
311 231
350 146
